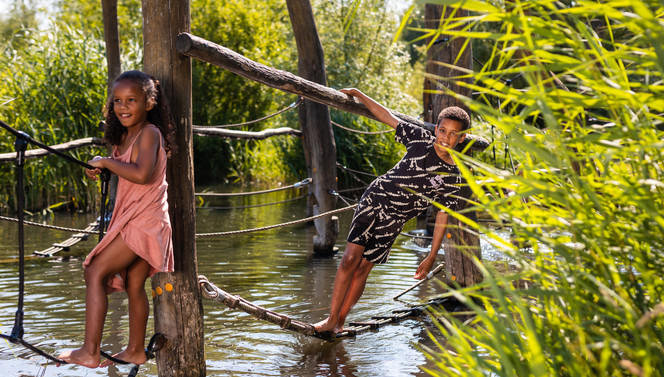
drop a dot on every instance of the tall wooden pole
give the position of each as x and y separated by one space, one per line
178 311
319 146
460 245
112 38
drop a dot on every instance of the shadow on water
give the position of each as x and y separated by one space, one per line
275 269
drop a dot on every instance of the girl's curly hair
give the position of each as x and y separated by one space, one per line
159 115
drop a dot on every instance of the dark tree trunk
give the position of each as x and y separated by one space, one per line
460 245
446 50
178 312
112 38
319 146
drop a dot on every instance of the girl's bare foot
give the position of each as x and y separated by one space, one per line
137 358
80 357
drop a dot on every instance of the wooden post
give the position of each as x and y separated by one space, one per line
319 147
178 311
460 245
112 38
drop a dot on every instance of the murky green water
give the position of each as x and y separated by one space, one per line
274 268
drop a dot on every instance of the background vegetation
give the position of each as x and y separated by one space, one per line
358 50
586 201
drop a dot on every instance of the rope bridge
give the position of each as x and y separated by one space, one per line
211 291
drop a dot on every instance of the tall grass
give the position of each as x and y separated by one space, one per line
585 130
57 80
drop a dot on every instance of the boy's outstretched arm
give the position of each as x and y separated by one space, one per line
378 110
438 233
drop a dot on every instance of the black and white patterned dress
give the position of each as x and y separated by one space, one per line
386 205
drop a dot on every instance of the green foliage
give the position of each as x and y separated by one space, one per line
21 16
587 194
363 56
259 30
88 16
359 52
57 81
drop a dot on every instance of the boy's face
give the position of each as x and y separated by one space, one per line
449 134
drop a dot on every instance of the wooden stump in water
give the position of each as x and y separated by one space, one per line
461 247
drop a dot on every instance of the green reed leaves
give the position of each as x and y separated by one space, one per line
575 92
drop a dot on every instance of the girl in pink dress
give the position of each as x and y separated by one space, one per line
138 241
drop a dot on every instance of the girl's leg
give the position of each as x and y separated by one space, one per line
139 308
349 263
354 291
113 259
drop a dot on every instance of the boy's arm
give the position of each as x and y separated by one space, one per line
438 233
378 110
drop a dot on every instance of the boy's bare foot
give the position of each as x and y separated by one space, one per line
327 325
80 357
137 358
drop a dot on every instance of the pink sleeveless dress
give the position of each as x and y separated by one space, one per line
141 218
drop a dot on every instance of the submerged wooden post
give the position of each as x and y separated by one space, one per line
460 245
178 311
319 147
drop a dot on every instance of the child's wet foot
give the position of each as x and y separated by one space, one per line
137 358
80 357
326 325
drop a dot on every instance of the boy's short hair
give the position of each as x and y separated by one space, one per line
455 113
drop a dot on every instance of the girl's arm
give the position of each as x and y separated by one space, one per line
438 232
378 110
143 159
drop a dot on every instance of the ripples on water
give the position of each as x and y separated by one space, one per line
275 269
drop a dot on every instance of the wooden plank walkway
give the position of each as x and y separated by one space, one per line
68 243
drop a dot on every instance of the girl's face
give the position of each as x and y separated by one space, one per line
130 104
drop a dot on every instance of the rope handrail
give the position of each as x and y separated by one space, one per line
343 167
54 227
291 106
302 183
304 220
256 205
73 230
360 131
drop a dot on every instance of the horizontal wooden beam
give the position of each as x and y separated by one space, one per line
234 134
74 144
210 52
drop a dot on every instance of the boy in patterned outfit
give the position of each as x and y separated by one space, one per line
427 169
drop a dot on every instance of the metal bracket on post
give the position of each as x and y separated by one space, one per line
105 178
20 145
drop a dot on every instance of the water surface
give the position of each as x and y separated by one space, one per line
275 269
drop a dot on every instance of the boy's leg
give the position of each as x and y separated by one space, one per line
113 259
139 309
342 281
354 291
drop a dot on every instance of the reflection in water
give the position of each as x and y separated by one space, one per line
275 269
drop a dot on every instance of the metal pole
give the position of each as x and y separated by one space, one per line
20 145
